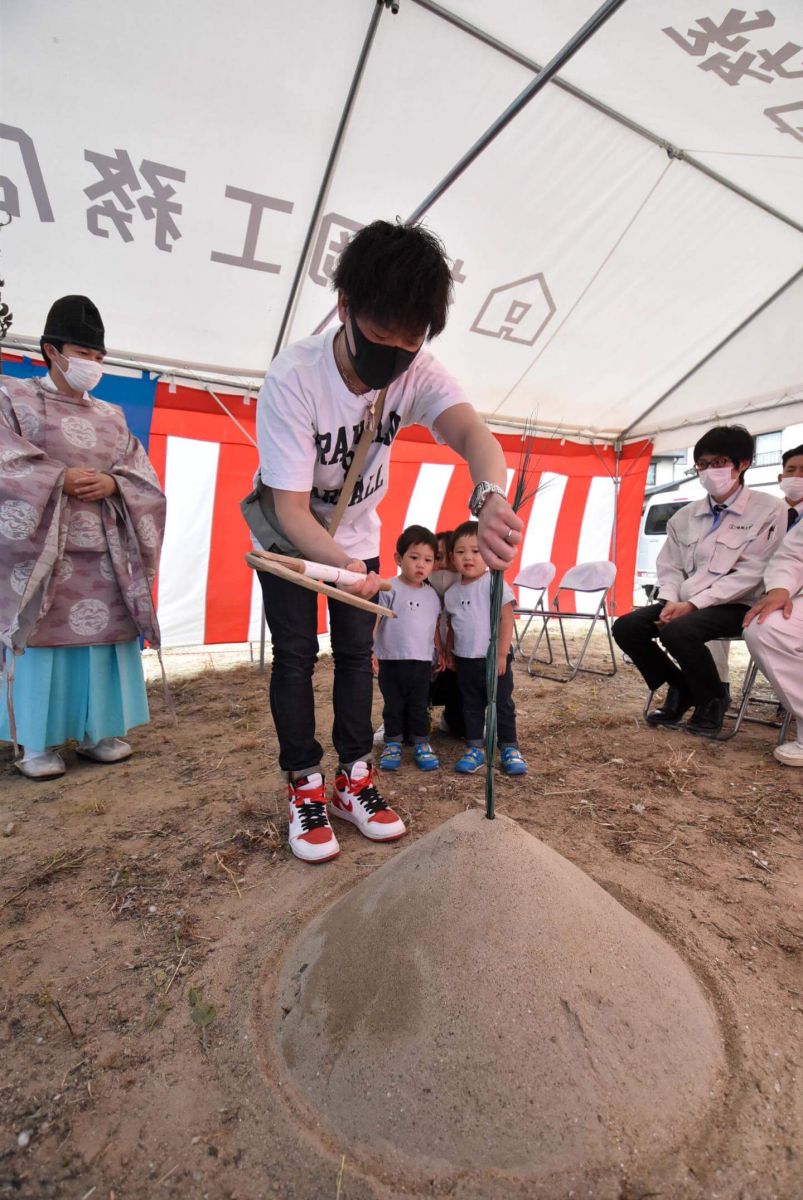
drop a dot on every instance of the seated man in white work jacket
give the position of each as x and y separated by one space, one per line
710 572
774 635
790 481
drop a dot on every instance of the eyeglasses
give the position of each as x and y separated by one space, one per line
703 464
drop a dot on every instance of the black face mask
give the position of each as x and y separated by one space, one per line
375 364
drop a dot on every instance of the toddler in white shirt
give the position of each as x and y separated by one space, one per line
468 604
404 649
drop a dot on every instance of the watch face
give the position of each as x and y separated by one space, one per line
476 498
480 494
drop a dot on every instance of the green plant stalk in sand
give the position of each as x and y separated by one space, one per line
521 494
491 682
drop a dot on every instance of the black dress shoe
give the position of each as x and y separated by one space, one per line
706 720
676 703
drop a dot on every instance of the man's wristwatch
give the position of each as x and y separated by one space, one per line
481 493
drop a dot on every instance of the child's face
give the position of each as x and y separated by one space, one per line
442 557
417 563
467 558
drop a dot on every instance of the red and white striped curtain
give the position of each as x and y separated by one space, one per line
207 594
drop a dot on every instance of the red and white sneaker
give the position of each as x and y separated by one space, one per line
310 835
355 799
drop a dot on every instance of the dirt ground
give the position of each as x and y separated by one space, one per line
145 909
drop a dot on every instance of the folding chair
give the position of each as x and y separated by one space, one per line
741 715
737 711
537 577
589 578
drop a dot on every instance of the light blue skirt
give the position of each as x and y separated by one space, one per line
64 692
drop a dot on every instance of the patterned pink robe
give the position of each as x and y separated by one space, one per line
72 572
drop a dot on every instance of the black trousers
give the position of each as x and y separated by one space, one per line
292 616
445 690
685 638
405 689
474 694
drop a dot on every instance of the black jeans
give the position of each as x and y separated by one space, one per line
685 638
292 616
474 693
405 689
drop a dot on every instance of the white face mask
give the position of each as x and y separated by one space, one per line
792 487
81 374
717 480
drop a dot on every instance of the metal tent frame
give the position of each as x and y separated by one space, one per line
542 78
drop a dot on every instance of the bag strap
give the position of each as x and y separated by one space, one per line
373 422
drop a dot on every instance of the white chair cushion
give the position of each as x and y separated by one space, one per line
590 577
536 576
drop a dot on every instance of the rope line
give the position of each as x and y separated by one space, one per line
231 415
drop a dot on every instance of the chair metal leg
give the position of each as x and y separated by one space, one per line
600 614
748 684
521 636
535 611
547 662
550 654
518 638
610 641
576 667
648 702
741 715
563 640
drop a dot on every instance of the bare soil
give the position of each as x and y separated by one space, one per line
145 909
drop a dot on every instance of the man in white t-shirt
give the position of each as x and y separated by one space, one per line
394 286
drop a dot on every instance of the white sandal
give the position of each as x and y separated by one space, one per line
42 764
107 750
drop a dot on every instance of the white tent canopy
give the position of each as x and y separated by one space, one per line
167 159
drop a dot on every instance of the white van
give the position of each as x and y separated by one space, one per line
658 510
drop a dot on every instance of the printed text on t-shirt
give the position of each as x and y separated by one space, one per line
337 447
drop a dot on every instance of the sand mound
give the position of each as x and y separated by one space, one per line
480 1003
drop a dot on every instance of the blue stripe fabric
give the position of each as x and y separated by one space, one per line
136 395
64 692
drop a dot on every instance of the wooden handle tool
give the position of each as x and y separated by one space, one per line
263 560
315 570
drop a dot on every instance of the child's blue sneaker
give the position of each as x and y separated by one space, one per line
512 762
391 757
425 760
471 761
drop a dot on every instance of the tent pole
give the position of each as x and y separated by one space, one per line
614 476
556 63
618 479
334 154
728 414
719 346
617 484
545 74
6 315
320 200
663 143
